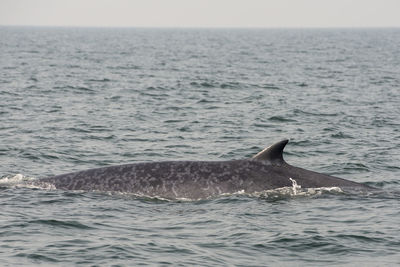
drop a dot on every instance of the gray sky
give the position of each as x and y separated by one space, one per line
202 13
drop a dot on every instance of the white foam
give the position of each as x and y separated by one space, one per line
295 187
21 181
41 185
14 180
295 191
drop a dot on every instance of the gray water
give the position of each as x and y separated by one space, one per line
77 98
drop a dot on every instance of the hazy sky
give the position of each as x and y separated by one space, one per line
202 13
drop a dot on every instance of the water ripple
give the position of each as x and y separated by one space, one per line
114 96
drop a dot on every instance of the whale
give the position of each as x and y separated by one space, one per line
266 170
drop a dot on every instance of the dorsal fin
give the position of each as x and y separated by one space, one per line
273 153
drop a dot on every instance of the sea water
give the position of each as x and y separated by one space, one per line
79 98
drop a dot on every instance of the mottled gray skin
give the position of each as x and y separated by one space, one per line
198 179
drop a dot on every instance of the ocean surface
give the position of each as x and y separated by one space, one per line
78 98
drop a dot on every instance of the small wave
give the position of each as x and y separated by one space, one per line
31 51
99 80
37 257
389 183
61 224
230 85
270 86
214 84
280 119
125 67
341 135
76 89
315 113
303 84
203 84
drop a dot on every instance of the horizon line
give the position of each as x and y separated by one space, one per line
200 27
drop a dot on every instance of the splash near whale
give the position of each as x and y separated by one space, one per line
199 179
